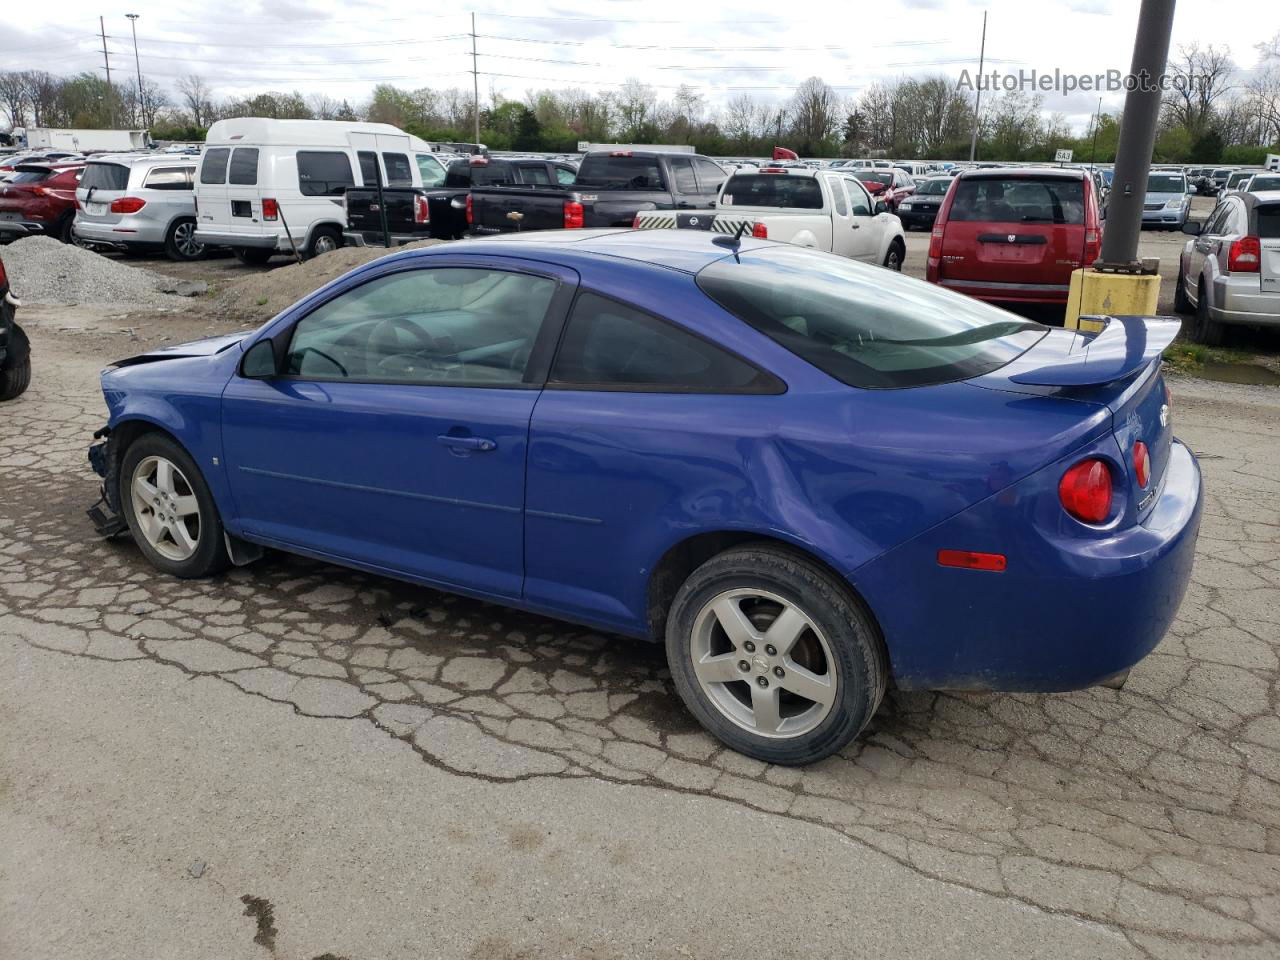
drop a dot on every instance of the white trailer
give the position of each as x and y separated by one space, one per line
87 141
1273 162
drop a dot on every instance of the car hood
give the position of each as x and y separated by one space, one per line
196 348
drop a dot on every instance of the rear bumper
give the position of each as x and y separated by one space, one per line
252 241
14 229
1009 292
358 238
119 234
1069 612
1238 299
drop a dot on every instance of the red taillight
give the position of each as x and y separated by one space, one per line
127 204
471 217
760 231
969 560
572 215
1092 246
774 170
479 160
270 209
1244 255
421 210
935 242
635 222
1141 463
1085 491
620 153
4 277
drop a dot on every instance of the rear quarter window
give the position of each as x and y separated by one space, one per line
168 178
1019 200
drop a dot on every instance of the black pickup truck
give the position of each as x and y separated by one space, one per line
610 189
438 209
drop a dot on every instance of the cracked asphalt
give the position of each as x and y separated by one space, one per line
303 762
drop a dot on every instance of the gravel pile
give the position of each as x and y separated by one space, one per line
44 270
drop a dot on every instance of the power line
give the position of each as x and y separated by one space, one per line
263 46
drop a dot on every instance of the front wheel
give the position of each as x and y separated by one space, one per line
15 371
893 259
774 656
169 508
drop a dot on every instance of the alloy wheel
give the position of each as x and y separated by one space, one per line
165 507
184 239
763 663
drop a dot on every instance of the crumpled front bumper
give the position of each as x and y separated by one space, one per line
105 514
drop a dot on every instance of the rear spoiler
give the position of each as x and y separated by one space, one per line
1123 347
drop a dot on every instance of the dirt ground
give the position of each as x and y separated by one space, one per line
296 761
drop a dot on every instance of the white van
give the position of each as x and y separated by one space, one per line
275 186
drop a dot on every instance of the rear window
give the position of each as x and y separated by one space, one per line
1260 183
1019 200
30 175
244 166
863 325
1268 216
324 173
214 167
105 176
773 190
635 173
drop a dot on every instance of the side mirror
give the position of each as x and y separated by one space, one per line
1193 228
881 207
259 361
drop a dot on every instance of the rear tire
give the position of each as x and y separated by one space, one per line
255 256
894 257
1208 331
66 229
810 686
180 243
15 376
169 509
1181 302
323 240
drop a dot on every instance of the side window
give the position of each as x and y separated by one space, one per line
399 173
837 196
858 198
1217 219
710 176
607 345
244 166
214 167
682 171
534 173
324 173
368 167
566 175
430 169
168 178
442 326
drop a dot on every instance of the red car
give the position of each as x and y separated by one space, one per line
1015 235
40 198
891 186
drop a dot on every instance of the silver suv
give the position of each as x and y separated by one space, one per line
1230 273
139 203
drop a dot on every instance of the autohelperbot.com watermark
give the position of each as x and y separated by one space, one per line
1065 82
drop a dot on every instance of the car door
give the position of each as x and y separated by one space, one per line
711 178
864 228
843 239
684 184
1205 244
394 435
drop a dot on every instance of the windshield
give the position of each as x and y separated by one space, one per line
105 176
772 190
1019 200
863 325
636 173
932 187
1166 183
1260 183
875 176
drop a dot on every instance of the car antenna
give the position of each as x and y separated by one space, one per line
734 242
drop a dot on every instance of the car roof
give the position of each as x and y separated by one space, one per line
999 173
1253 198
141 159
687 251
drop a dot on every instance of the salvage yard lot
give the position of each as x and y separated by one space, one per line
300 761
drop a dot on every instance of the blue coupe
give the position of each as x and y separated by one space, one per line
810 477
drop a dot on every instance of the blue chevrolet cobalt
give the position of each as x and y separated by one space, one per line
808 477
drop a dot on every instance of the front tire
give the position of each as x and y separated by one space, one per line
180 242
169 509
15 375
894 257
815 667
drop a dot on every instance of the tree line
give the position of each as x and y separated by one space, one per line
1227 115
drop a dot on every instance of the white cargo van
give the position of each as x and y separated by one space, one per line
273 186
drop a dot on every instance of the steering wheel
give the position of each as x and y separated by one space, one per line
385 333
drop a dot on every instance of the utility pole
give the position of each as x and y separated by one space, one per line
977 104
111 98
1093 150
475 77
1137 138
142 109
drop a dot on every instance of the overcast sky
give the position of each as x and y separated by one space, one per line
342 49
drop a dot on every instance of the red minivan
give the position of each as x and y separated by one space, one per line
1014 235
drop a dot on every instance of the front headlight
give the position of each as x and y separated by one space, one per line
905 205
1176 202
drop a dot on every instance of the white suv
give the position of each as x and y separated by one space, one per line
138 203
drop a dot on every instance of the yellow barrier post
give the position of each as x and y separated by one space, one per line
1102 293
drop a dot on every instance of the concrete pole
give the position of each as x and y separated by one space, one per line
142 106
977 104
475 77
106 60
1137 137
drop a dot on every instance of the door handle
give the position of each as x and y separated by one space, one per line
479 444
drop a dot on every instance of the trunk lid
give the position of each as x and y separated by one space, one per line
102 183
